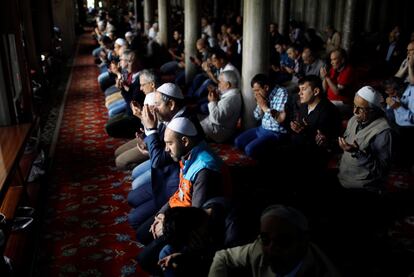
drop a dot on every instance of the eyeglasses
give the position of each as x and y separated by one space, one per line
144 84
358 109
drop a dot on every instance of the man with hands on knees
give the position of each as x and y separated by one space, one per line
367 143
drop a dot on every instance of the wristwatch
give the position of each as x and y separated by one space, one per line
151 129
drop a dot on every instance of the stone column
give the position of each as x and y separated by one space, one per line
339 11
255 52
348 30
311 13
163 15
148 12
326 13
191 34
284 7
383 16
369 15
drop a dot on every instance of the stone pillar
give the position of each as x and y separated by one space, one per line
339 11
311 13
163 7
284 8
255 52
191 34
300 10
148 12
349 18
383 16
326 13
369 15
215 8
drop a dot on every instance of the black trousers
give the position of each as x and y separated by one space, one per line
123 126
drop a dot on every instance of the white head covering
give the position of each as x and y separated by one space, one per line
120 41
371 95
289 214
128 34
150 99
183 126
172 90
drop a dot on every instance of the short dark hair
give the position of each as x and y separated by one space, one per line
342 52
181 223
396 83
178 102
260 79
313 80
220 54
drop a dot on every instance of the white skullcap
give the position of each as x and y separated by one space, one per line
371 95
128 34
183 126
150 99
289 214
120 41
172 90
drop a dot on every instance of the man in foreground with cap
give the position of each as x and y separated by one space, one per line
367 143
200 179
156 180
282 249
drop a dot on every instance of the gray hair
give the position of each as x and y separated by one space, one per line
287 213
231 77
149 76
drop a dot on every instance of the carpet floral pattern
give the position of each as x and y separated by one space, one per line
85 231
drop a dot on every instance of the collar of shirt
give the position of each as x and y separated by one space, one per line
134 77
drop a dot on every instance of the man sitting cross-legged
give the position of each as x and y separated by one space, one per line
200 179
270 104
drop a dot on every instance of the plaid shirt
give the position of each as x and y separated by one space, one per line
276 101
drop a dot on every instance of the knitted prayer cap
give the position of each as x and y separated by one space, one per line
172 90
183 126
371 96
120 41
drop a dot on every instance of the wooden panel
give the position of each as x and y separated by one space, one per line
12 139
10 201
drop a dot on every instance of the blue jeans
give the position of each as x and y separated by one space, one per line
142 201
117 107
141 174
166 251
111 90
198 93
169 67
255 141
106 79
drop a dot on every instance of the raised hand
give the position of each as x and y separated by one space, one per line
149 119
354 147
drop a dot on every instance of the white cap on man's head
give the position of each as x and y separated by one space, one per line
128 34
371 96
150 99
120 41
183 126
171 90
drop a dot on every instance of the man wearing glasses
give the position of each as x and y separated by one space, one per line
367 143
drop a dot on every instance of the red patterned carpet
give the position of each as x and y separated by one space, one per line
86 232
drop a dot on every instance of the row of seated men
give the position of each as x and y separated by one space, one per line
181 171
